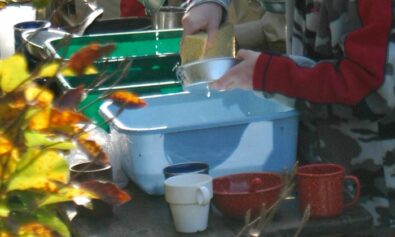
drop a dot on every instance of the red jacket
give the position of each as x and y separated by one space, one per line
131 8
358 73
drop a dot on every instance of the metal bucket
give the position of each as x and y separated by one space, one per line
168 17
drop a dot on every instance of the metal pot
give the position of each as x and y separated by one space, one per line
119 25
21 27
168 17
199 73
34 41
90 171
152 6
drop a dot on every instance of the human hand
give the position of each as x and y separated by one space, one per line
241 75
205 17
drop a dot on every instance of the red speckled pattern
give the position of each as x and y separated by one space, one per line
235 194
321 186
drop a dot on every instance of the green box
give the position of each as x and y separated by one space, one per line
153 55
134 44
151 75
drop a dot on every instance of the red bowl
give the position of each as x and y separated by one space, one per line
235 194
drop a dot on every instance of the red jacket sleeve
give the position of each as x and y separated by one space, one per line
356 75
131 8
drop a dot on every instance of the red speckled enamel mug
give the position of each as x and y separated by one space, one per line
321 187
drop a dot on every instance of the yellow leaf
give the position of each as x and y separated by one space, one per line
68 193
41 170
4 234
4 210
40 120
49 70
13 72
35 139
13 160
89 70
40 96
5 145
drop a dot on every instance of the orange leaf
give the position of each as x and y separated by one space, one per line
40 96
66 118
127 99
35 229
5 145
106 191
71 131
93 150
87 55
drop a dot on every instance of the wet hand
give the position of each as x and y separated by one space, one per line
241 75
206 17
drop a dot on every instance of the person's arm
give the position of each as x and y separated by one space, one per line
347 81
204 15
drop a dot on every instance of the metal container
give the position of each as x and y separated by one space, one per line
90 171
20 27
168 17
119 25
34 41
204 71
152 6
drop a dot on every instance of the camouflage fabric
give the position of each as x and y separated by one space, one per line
354 136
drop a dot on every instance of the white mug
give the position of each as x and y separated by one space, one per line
189 197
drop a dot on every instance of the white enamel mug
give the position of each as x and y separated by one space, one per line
189 197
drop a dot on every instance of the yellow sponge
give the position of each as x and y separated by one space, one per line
194 46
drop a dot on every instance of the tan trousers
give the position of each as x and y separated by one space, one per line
256 29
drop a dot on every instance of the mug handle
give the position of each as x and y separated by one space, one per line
203 196
355 180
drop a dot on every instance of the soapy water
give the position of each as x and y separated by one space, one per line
208 94
200 88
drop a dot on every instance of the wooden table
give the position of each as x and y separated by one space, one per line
149 216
